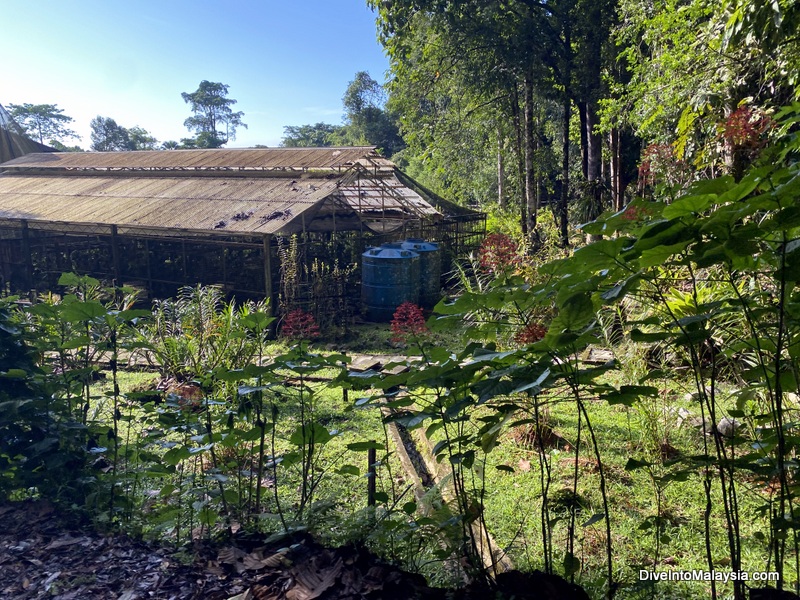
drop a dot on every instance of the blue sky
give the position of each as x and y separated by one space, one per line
286 62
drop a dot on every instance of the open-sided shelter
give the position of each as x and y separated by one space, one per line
164 219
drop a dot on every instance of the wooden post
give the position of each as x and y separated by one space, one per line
115 255
183 261
149 271
266 243
26 256
371 459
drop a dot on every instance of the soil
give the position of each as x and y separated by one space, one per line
45 554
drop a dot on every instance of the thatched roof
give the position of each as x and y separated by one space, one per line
252 191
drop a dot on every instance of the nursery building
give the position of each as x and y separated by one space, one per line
267 222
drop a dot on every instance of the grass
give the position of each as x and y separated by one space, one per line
646 536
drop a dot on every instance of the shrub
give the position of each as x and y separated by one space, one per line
407 322
531 333
299 325
498 252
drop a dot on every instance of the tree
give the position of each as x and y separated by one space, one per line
214 121
43 121
367 120
140 139
317 135
64 148
107 136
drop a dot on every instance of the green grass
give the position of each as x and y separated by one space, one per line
513 500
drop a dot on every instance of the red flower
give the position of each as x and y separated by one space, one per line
532 332
497 252
744 127
408 321
299 325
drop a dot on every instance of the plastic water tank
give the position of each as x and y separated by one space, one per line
430 270
389 277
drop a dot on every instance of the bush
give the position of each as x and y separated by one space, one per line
408 322
299 325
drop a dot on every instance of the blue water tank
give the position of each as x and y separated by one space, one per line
430 270
389 277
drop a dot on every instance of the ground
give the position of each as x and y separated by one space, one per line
43 554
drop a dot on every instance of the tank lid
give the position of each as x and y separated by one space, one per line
391 251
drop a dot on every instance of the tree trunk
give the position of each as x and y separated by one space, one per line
520 159
501 175
594 146
563 200
582 107
615 169
530 149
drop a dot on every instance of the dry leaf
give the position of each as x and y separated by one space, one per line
230 555
310 584
524 465
62 542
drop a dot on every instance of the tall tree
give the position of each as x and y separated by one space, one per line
46 122
317 135
140 139
214 121
367 121
108 136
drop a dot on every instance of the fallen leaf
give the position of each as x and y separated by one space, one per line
62 542
524 465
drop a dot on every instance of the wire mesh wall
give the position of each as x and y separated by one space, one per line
33 254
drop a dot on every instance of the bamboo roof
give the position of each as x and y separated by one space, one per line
279 159
239 192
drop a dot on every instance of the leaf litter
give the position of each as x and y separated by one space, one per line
45 554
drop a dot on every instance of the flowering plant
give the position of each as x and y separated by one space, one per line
497 252
299 325
408 321
532 332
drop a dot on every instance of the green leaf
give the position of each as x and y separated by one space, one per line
629 394
175 455
410 508
361 446
349 470
572 564
505 468
634 464
77 312
14 374
594 519
312 433
381 497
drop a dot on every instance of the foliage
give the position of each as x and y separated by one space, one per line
108 136
498 252
309 136
40 439
198 331
367 120
46 122
299 325
214 120
408 323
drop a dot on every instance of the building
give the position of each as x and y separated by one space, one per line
165 219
